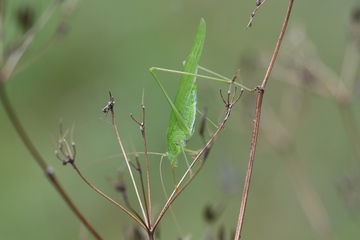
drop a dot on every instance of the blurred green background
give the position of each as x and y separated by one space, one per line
110 45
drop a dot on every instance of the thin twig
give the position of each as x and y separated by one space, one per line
121 187
15 56
252 15
259 100
68 157
176 192
127 163
143 134
35 154
139 221
138 168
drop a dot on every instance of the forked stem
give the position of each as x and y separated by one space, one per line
143 134
68 157
230 102
138 220
127 161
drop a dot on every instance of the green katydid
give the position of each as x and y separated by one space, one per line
183 114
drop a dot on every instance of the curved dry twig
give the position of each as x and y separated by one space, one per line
36 155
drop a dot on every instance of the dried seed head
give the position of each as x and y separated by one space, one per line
355 25
212 213
209 214
25 17
355 16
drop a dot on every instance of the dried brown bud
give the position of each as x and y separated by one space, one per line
25 17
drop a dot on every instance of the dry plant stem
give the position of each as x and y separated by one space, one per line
59 34
259 100
148 181
35 55
149 208
252 15
173 215
33 151
129 167
176 192
15 56
143 134
69 157
139 221
120 186
143 190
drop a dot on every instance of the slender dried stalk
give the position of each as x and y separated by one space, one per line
7 67
143 134
13 60
48 170
230 102
259 100
139 221
127 164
